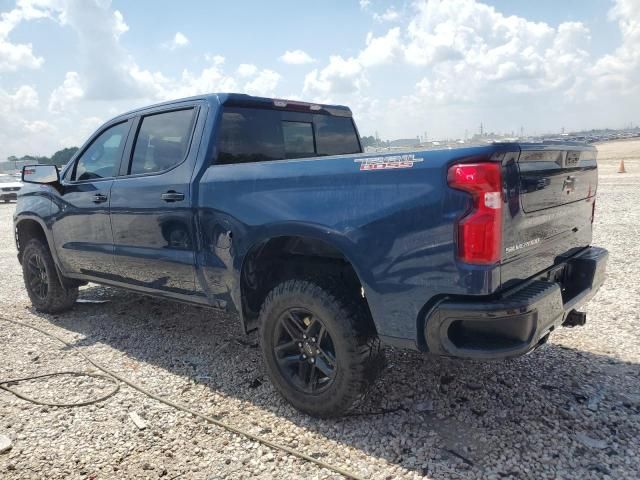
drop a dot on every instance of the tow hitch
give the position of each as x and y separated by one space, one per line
575 319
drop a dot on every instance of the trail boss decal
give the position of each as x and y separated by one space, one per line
391 161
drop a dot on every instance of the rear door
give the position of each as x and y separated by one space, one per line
82 230
550 201
151 208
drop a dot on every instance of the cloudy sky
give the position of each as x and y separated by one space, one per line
404 67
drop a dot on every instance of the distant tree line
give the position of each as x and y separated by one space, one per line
371 141
60 158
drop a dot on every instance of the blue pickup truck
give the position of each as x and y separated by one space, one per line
271 209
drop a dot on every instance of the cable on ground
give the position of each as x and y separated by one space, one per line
4 385
184 408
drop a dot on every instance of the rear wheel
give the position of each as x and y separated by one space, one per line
41 280
319 346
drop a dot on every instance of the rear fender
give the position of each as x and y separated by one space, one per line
319 233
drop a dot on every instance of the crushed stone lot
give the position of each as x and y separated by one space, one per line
571 409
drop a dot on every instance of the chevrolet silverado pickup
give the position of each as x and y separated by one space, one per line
271 209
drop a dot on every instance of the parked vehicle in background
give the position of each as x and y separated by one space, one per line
268 208
10 185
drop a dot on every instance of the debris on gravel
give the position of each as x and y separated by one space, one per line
140 423
5 444
590 442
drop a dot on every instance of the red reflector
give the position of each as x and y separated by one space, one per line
480 230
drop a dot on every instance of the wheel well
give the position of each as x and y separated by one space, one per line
286 257
25 231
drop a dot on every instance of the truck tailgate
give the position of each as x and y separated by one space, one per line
550 202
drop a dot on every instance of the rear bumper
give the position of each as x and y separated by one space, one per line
517 320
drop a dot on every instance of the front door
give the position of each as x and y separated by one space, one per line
151 211
82 229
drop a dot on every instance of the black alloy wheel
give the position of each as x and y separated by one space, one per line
304 350
319 345
43 282
36 276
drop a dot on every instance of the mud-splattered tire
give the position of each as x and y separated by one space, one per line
319 346
41 280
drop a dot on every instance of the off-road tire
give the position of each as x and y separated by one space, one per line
347 320
57 298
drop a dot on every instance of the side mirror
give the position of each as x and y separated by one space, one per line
40 174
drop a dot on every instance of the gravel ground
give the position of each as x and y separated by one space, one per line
569 410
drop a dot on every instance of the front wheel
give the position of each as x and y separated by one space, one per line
41 280
319 347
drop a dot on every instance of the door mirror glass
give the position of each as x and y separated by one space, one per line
40 174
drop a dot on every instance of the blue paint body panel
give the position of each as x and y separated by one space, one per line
395 226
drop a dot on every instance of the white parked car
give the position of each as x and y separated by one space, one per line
10 185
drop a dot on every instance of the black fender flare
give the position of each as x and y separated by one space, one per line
48 237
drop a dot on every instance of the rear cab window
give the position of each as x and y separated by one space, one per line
162 141
249 134
336 135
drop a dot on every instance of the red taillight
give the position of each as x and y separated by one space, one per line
479 231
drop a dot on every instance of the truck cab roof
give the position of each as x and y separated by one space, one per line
241 99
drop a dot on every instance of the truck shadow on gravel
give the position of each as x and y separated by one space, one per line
559 411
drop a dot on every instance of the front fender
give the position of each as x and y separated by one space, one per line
34 204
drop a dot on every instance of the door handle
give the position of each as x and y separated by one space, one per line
99 198
172 196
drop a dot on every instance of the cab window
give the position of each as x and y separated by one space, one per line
102 158
162 142
258 135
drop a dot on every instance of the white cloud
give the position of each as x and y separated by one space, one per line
106 65
24 98
247 70
70 91
160 87
84 127
473 58
345 76
14 56
215 59
296 57
472 48
179 40
263 84
445 66
341 76
380 50
389 15
38 126
619 71
20 133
